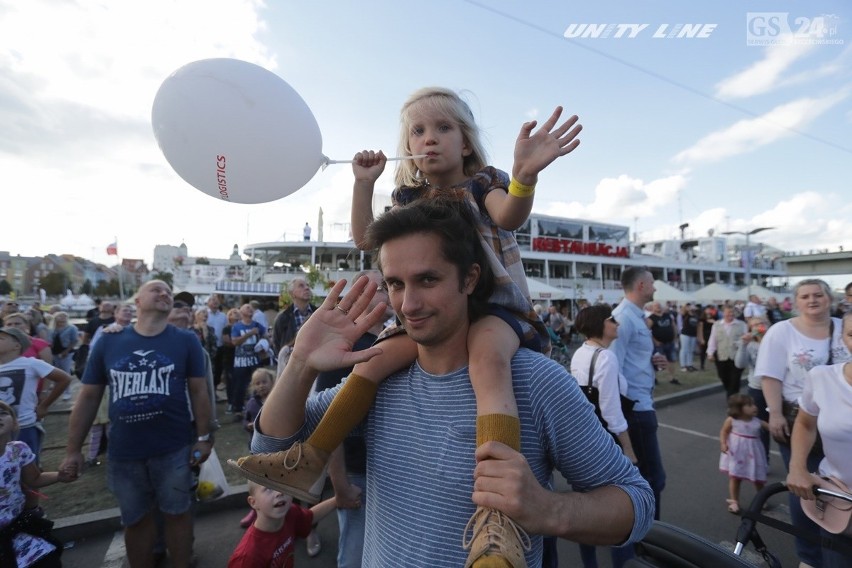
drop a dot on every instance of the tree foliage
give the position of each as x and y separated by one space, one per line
166 277
55 283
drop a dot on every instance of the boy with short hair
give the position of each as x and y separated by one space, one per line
19 377
269 541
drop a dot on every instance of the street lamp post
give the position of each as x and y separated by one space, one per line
747 262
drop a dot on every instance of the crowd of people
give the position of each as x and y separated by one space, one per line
452 419
620 358
797 363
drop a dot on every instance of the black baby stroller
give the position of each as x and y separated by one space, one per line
754 515
669 546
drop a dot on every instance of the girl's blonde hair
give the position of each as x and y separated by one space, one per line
447 103
261 372
736 402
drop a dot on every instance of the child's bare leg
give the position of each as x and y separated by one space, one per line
491 345
300 470
734 488
734 495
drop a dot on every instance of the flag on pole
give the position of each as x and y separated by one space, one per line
112 249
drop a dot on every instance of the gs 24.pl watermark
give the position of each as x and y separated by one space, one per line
778 28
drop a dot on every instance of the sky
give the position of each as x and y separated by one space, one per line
706 130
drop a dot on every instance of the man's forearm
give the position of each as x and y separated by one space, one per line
200 404
82 416
603 516
283 412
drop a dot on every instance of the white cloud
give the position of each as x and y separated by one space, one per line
838 67
749 134
622 199
113 59
808 220
764 75
75 102
811 218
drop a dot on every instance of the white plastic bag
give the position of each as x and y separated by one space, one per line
212 484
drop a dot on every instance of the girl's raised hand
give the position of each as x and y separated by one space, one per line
368 165
534 152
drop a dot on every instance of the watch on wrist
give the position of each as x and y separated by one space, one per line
204 438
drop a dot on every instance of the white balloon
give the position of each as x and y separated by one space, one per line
236 131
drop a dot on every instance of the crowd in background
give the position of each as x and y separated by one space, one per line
239 339
795 357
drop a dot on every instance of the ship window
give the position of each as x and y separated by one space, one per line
608 233
562 229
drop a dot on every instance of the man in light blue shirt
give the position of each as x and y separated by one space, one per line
635 351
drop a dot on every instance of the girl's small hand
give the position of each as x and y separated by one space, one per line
534 152
368 165
66 476
724 448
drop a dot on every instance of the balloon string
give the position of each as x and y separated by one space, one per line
326 161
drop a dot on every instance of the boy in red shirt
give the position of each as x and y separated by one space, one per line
269 541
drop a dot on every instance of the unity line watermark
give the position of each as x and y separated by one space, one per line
632 31
778 28
762 29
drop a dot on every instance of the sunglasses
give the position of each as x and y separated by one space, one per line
612 320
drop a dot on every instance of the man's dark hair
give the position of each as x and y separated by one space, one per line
632 275
453 222
590 320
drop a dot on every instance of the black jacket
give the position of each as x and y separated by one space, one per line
284 329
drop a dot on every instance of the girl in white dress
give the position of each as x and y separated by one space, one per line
743 456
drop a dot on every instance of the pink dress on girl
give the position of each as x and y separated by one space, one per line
746 458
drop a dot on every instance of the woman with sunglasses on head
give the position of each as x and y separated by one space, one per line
594 359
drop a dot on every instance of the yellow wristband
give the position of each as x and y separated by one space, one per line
518 189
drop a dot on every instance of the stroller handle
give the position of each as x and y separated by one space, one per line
831 493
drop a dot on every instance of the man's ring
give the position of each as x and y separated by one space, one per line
338 307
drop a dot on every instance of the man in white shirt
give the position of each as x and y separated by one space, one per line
216 319
754 308
725 336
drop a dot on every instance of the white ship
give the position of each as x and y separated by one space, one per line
564 259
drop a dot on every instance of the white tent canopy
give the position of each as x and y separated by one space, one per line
665 292
761 292
81 302
541 291
715 293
